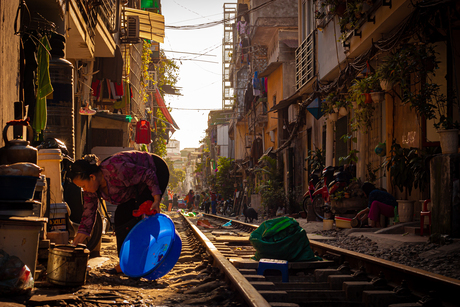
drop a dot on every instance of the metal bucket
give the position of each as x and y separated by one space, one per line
67 264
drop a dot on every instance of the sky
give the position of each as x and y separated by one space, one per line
200 81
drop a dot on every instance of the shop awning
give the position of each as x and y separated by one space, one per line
164 110
151 25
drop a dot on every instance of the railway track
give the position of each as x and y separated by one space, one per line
344 278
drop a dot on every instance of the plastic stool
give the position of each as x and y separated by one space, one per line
424 213
274 264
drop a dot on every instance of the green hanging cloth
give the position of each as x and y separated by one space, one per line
44 87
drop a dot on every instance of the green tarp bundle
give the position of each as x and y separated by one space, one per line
283 239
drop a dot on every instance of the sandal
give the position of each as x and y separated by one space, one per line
114 270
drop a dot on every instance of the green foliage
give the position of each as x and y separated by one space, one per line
338 196
350 158
420 166
364 112
371 172
145 78
411 67
316 159
199 167
160 133
400 167
224 179
271 189
332 102
168 72
175 175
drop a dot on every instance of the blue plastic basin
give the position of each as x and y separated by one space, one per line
151 249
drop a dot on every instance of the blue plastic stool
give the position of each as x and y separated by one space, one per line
274 264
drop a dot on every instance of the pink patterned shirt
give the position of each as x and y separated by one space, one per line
127 173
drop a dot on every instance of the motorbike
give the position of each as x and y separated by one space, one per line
228 207
320 189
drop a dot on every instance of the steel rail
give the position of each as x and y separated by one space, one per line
251 296
417 279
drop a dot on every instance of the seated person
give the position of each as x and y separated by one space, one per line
380 202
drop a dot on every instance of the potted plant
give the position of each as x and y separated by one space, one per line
447 127
419 60
363 111
329 107
402 176
316 159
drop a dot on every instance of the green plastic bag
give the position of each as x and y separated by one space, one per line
283 239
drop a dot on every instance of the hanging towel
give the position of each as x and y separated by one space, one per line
126 99
96 87
44 87
119 89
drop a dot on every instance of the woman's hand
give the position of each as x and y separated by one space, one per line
79 238
155 206
156 203
363 214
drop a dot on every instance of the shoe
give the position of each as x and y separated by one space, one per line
114 270
84 111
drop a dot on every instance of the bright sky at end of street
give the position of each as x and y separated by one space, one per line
200 76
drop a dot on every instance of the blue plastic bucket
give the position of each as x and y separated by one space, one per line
151 249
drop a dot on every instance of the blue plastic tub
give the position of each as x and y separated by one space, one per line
151 249
17 187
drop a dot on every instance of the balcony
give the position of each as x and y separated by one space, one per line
267 19
261 112
305 61
90 29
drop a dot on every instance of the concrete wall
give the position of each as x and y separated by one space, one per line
274 89
330 51
9 65
285 8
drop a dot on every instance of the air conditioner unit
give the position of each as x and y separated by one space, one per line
293 112
132 29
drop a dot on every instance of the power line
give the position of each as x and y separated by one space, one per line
218 22
180 59
203 54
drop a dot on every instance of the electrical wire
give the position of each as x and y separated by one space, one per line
218 22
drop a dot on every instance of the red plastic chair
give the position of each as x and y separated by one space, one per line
424 213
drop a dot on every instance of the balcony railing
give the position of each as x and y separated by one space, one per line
305 61
90 10
261 113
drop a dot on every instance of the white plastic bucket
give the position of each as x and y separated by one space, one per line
50 161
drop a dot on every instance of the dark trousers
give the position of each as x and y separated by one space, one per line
124 219
206 206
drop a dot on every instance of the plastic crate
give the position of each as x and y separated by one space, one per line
17 187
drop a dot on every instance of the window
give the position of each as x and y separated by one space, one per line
307 18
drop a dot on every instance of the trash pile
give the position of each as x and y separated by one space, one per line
15 277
